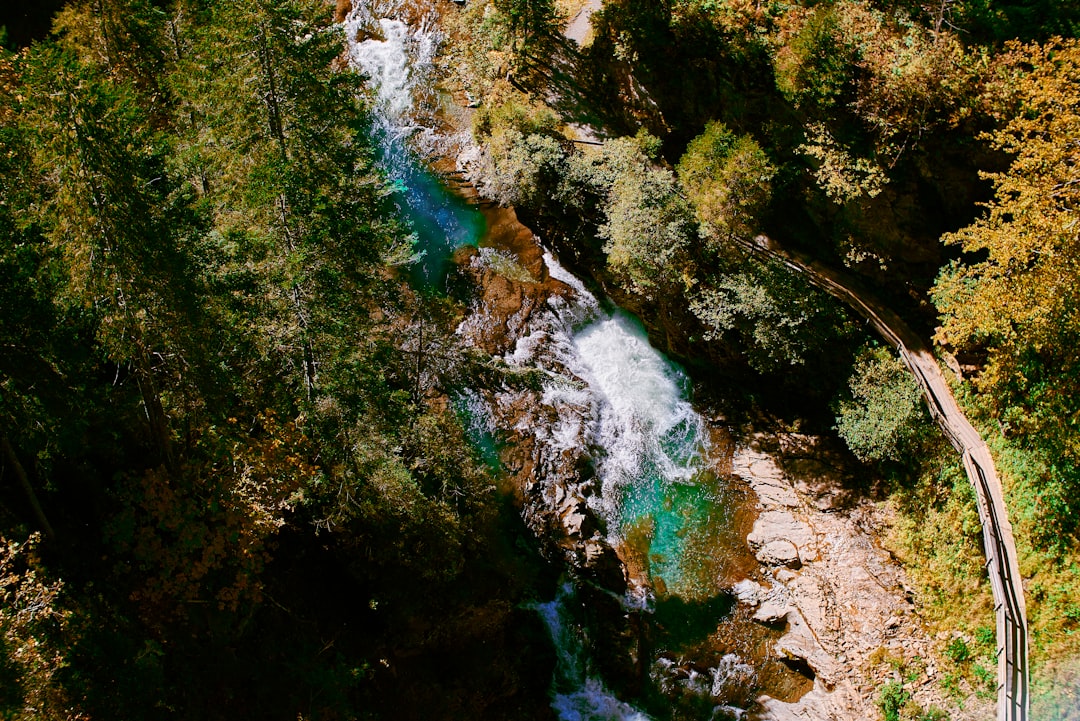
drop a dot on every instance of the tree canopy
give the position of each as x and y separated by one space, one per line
205 375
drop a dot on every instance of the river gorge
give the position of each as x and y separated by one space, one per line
709 571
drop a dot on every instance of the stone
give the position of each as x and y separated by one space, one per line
779 553
602 565
784 575
800 644
772 612
777 525
577 524
748 592
766 479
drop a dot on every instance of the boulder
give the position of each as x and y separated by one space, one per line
779 553
779 539
772 612
748 592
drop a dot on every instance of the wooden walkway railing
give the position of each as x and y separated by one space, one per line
1001 560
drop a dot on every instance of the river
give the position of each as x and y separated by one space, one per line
610 398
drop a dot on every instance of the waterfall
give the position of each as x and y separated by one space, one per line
614 392
399 64
609 390
398 61
576 695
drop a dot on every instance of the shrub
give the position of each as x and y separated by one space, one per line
892 699
881 418
816 64
958 650
727 178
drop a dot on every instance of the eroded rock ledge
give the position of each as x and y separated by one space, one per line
845 603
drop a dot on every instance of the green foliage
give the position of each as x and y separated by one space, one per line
986 677
937 538
645 216
896 704
958 650
528 20
1017 19
738 19
204 361
597 171
933 714
648 228
515 112
814 66
507 39
771 314
891 700
524 160
1014 296
650 144
843 176
881 418
523 169
727 178
34 629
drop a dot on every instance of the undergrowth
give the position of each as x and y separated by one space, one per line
937 536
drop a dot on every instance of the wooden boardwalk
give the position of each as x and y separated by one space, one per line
1001 560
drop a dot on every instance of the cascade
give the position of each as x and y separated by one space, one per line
577 696
613 396
398 62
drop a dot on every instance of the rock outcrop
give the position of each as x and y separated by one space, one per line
844 602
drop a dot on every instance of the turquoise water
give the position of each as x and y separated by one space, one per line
441 221
648 440
400 69
663 501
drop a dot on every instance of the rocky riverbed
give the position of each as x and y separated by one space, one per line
834 606
845 603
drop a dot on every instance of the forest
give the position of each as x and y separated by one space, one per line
232 480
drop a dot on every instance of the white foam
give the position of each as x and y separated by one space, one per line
731 671
593 702
645 423
578 696
399 62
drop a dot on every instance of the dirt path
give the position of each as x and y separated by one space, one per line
579 26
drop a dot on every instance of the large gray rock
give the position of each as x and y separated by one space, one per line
779 539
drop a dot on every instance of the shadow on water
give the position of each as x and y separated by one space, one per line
441 221
681 624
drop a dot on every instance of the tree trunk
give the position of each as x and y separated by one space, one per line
24 481
273 106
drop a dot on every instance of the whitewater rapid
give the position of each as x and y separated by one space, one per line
398 61
612 394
